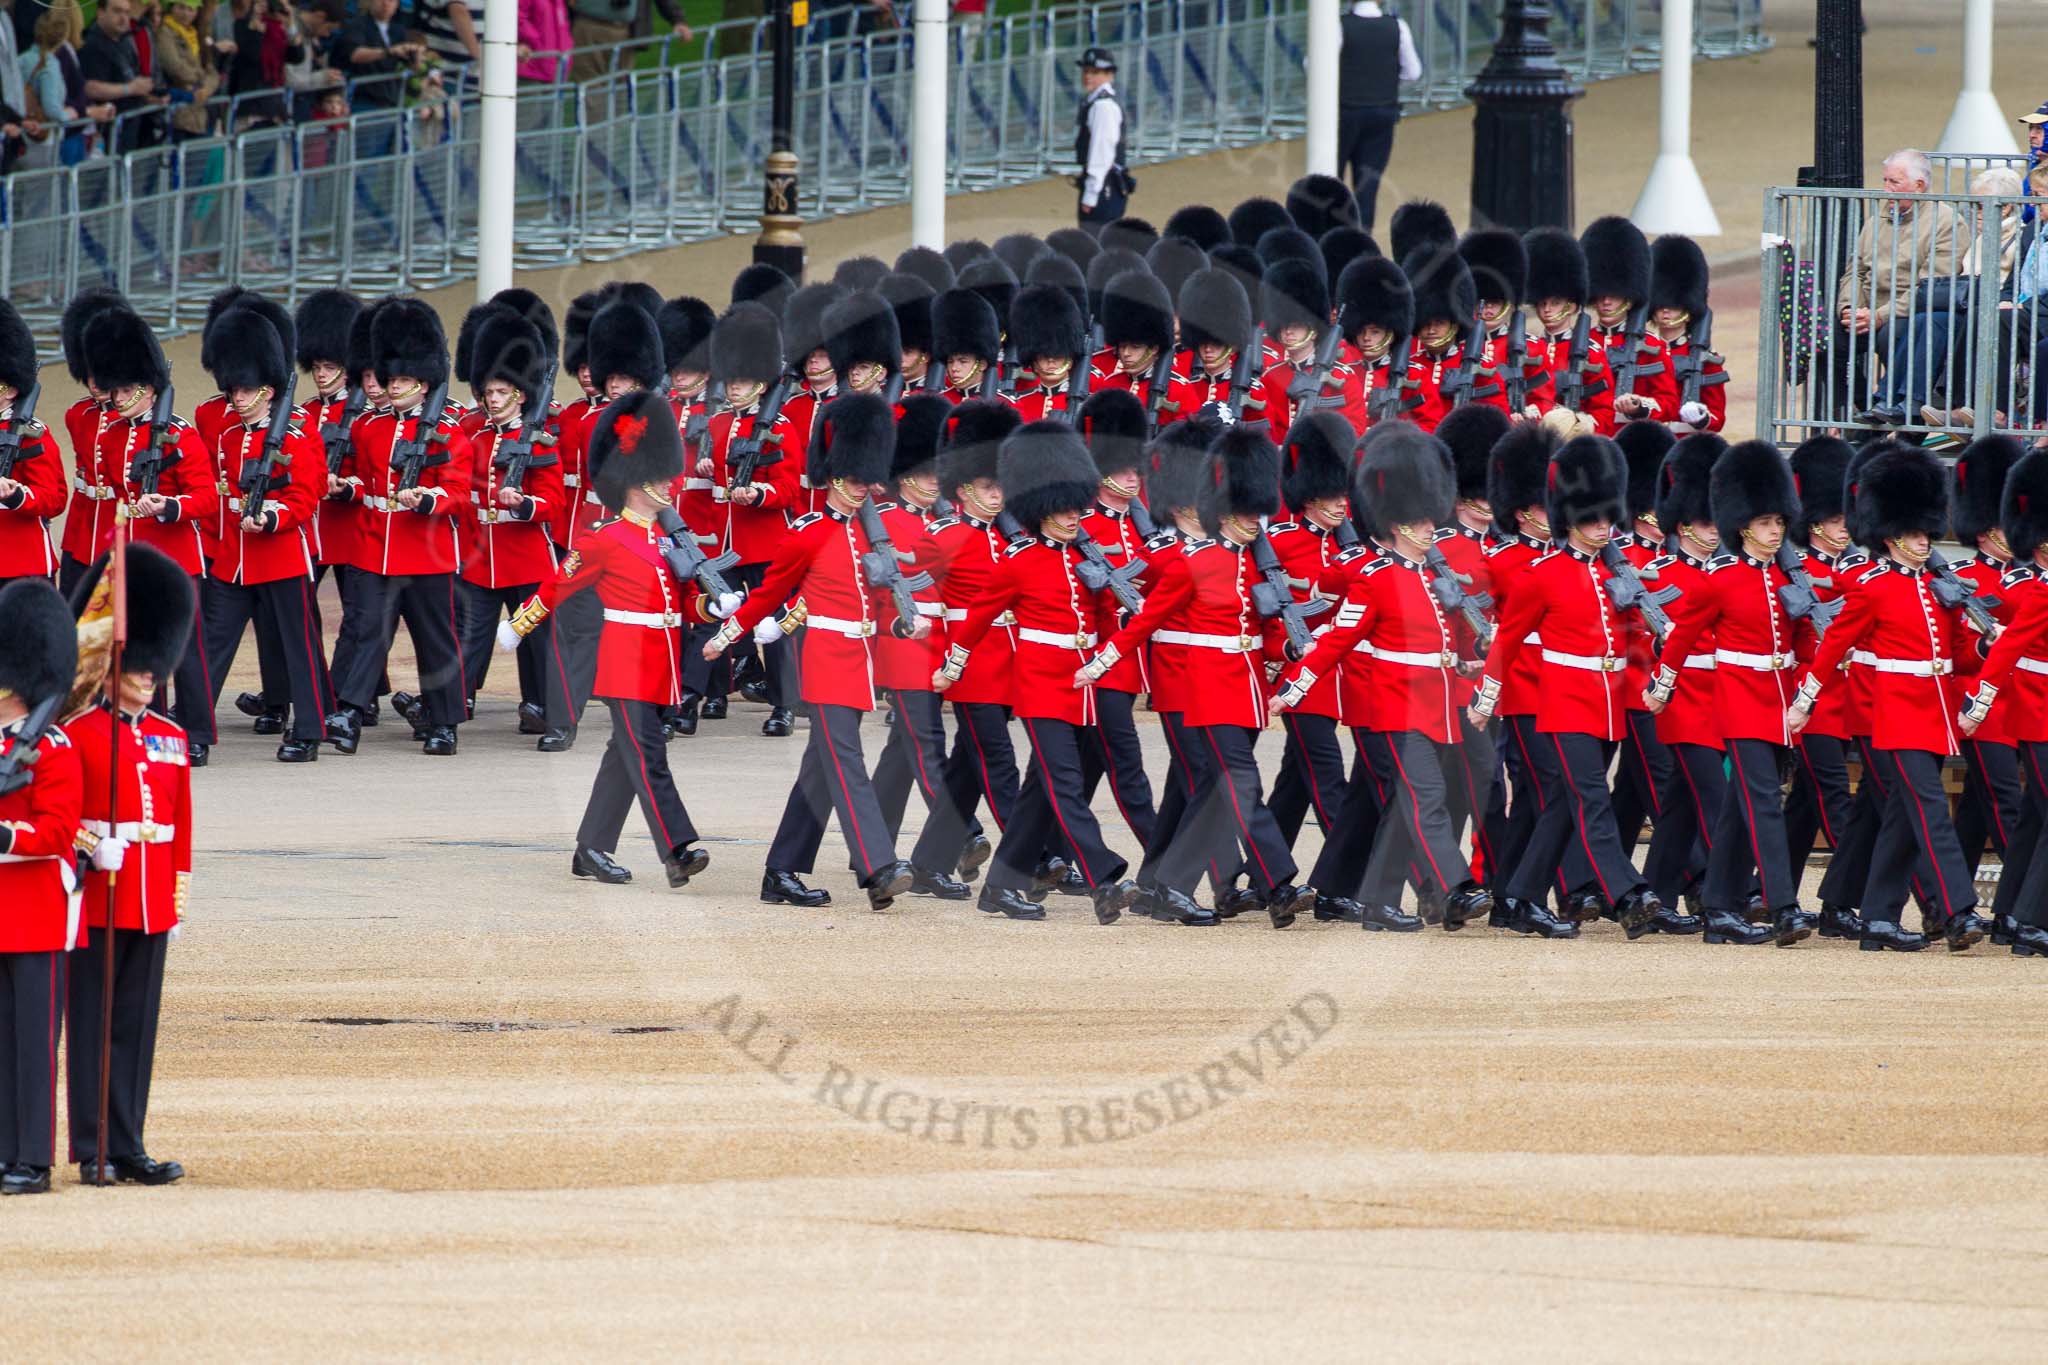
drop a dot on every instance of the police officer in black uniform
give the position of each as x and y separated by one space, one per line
1378 53
1099 142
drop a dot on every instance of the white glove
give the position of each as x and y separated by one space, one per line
508 638
1694 415
110 853
768 632
727 604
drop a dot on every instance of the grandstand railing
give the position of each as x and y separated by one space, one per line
664 145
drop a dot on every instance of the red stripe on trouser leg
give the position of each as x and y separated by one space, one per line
1052 800
1244 825
646 785
852 821
1907 794
1579 818
1415 807
988 787
1756 847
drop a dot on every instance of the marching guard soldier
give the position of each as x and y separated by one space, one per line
573 632
1137 329
1215 323
1376 315
863 342
320 335
910 299
1500 276
685 324
816 382
32 475
968 340
1993 792
141 848
361 550
89 521
1470 433
1051 339
818 573
1678 302
1559 288
1617 285
1439 377
1049 481
1294 307
1644 771
262 569
40 808
634 453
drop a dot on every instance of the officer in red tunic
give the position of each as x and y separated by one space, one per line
1215 324
1618 289
635 452
686 325
1993 792
1678 301
819 573
91 502
862 340
41 796
1294 308
1446 302
1500 275
262 567
32 487
968 340
140 856
1561 599
321 330
1051 339
360 551
1048 480
1558 290
1137 329
1901 503
1471 432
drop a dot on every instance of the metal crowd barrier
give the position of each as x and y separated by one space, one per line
652 152
1876 315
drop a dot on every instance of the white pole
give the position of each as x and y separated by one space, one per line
1325 35
928 125
1674 199
497 140
1977 123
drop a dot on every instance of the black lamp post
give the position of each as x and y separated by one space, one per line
781 243
1521 132
1837 96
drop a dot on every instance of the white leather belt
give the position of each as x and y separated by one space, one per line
936 610
572 480
1008 618
1076 640
491 516
1705 661
1917 668
658 620
1762 663
1592 663
235 505
134 831
1229 644
378 504
2026 665
697 485
1862 656
1446 659
852 630
97 492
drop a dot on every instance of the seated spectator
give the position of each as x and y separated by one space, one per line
53 71
188 67
1902 242
378 53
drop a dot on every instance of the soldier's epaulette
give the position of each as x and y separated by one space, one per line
55 734
1720 562
1369 570
1443 533
32 428
1550 554
1655 566
1497 547
1017 547
1351 553
1853 559
2019 573
805 520
942 524
1283 526
1161 539
1188 547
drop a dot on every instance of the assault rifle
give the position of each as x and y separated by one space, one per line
1384 404
261 474
1802 602
514 455
1097 574
147 469
334 436
1461 385
415 454
883 564
1690 369
1244 369
1630 593
1952 590
1572 386
18 765
1155 390
1080 380
745 456
21 423
1632 368
687 560
1273 598
697 431
1517 361
1306 388
1448 586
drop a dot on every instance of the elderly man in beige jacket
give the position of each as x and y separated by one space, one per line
1902 243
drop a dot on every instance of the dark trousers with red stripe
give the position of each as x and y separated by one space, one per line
1117 754
1916 822
1177 802
2023 882
272 664
194 682
1228 802
1518 803
915 754
1472 773
138 1001
428 606
832 779
1052 811
287 605
1340 868
1415 827
1993 792
1577 814
1749 836
982 767
1849 865
31 1019
635 768
1641 775
1687 812
1311 775
360 601
570 667
482 609
1820 801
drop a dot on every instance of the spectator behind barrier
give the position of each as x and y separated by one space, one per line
312 77
264 47
53 71
378 52
187 66
113 72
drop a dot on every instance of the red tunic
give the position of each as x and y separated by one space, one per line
580 508
509 546
1689 718
907 665
1426 404
1186 396
210 419
969 551
1307 552
401 541
38 913
153 810
1562 597
793 429
337 524
1733 609
1391 628
1555 353
1207 609
1910 642
1989 577
1714 397
1108 374
2018 665
646 611
754 531
286 552
1653 370
819 565
1035 403
1842 711
1055 632
1112 530
188 482
25 548
1343 393
693 491
1508 561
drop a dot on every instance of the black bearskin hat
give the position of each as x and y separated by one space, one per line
362 354
1113 424
1136 310
1288 244
1057 271
1682 480
1045 468
1678 275
323 323
1077 246
1402 477
634 442
1206 227
220 303
1241 263
2024 513
959 253
1517 472
1557 267
1421 224
121 349
1214 311
161 606
910 299
38 641
917 434
1020 251
274 313
1045 322
855 442
1981 472
465 341
1177 466
1316 459
1499 264
973 432
685 324
964 323
511 349
1294 294
803 321
1819 467
249 354
1617 260
1852 474
1587 481
1318 203
576 330
746 344
990 278
860 329
1750 480
1254 218
929 266
17 351
1470 432
625 340
763 284
639 293
1130 234
535 310
1245 480
1900 489
1372 291
1173 260
1444 289
406 338
1106 266
1644 444
85 305
1343 245
859 272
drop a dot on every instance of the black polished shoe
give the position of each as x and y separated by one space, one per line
533 718
1047 875
978 851
2028 941
786 888
298 751
1758 912
938 885
369 717
890 881
1879 935
251 705
1791 925
597 865
1583 907
1289 903
1531 918
1430 906
1839 921
1639 907
1177 907
683 720
557 741
197 754
1236 901
1502 916
133 1170
2004 929
409 706
1073 883
1338 910
344 731
683 864
1466 904
714 708
26 1180
781 723
1381 917
755 691
1110 900
1668 922
440 741
995 900
1726 926
271 722
1965 929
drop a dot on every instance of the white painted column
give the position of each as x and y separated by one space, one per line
1977 124
928 125
1674 199
497 140
1325 36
